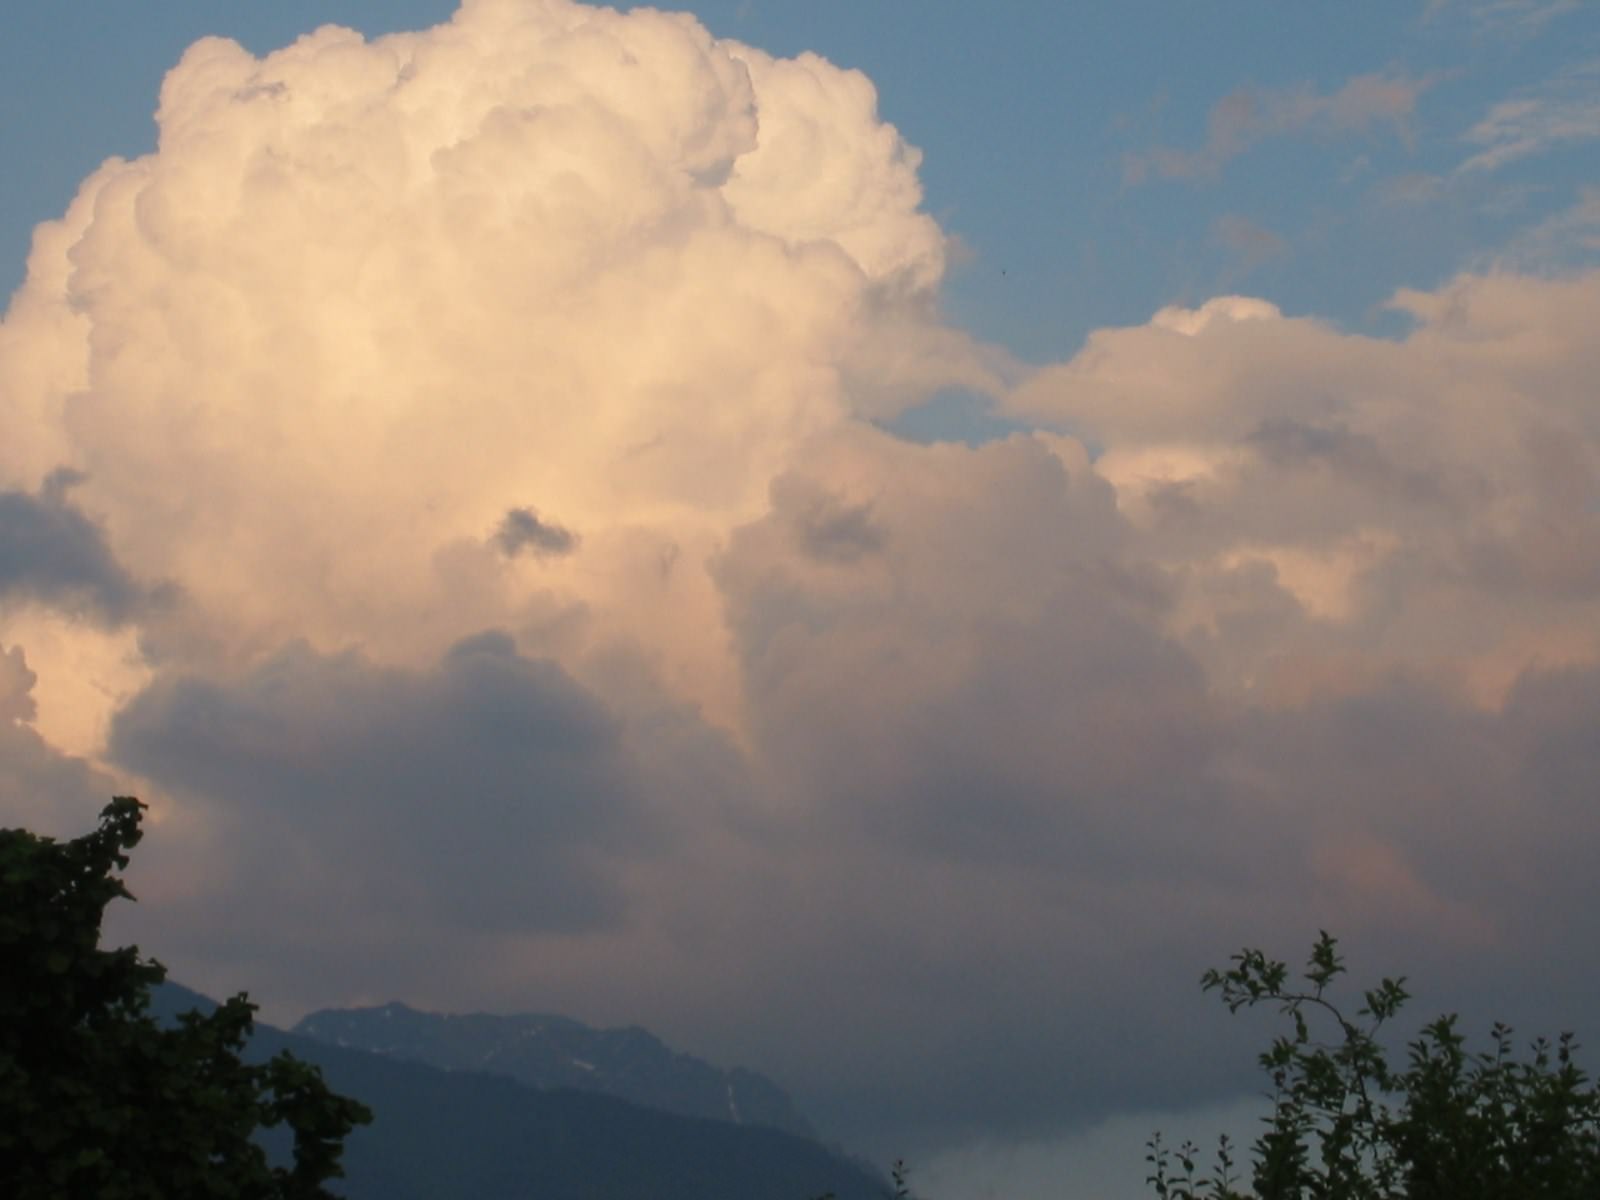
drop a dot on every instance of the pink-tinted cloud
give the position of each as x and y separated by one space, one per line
1249 115
1564 110
552 626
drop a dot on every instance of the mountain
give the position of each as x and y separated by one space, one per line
558 1052
464 1135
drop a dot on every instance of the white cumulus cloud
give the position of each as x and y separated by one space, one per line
457 456
368 297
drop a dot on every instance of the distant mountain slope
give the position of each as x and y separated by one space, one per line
558 1052
462 1135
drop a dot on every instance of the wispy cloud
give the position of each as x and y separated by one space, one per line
1250 115
1558 242
1414 188
1250 243
1563 110
1503 16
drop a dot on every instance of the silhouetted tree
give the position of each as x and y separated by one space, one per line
1349 1123
98 1099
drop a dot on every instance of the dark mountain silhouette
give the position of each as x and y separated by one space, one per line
558 1052
447 1134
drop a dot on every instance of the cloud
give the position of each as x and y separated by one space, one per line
1017 727
829 530
861 679
41 789
925 776
67 597
16 686
1458 463
1248 115
521 529
1522 18
1411 189
369 296
51 554
478 792
1562 111
808 179
1250 243
1569 236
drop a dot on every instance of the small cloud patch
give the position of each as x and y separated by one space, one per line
830 531
52 554
522 529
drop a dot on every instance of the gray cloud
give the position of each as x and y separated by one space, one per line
16 686
44 790
1024 816
522 529
995 818
988 742
490 788
1010 709
831 531
1359 459
50 553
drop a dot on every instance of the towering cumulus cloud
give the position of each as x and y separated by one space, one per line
368 298
449 478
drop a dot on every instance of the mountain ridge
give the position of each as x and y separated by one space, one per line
549 1051
468 1135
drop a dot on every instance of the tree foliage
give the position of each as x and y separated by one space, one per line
99 1099
1352 1121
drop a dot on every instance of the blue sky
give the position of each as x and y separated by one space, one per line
1029 117
887 616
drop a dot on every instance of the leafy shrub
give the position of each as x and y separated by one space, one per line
1350 1123
99 1099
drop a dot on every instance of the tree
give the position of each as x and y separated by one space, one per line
99 1099
1348 1123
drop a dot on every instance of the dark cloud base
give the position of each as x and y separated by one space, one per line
987 827
483 791
51 554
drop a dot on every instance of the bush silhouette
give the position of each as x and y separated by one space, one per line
1350 1122
99 1099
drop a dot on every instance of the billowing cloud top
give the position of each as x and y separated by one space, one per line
448 479
369 297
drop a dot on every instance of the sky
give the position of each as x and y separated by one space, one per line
877 542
